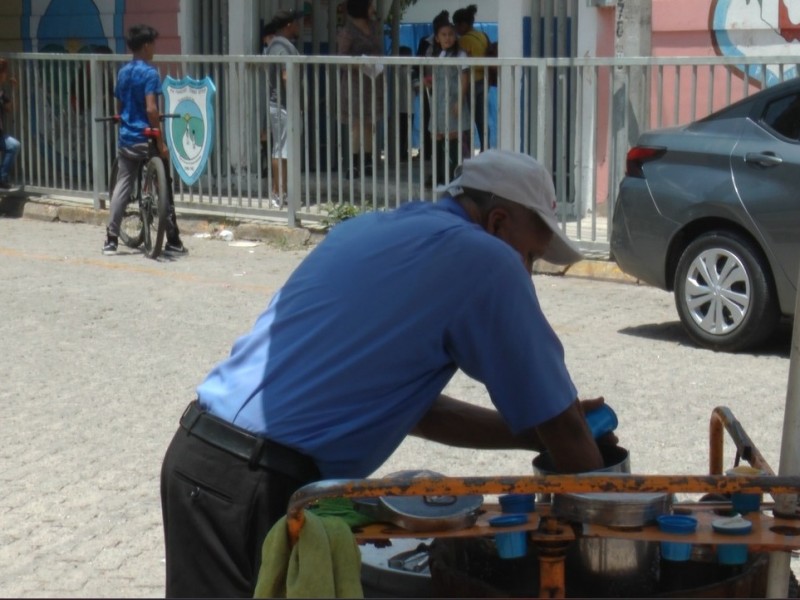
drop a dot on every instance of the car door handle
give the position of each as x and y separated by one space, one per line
763 159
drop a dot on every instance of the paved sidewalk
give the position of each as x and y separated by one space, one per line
101 354
278 233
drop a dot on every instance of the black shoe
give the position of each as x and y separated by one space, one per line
5 185
175 247
110 247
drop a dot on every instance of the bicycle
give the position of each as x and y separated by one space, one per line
151 196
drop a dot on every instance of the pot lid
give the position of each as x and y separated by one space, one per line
432 507
424 513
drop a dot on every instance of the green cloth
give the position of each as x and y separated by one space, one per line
325 562
344 509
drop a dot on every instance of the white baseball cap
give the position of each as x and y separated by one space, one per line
522 179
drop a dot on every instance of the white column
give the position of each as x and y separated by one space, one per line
243 34
510 15
242 39
187 28
586 156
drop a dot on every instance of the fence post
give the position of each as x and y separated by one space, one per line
99 167
295 120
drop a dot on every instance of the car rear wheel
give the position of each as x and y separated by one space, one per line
724 293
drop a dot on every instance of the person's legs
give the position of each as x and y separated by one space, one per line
367 130
402 132
12 147
127 170
441 164
480 121
453 158
279 119
217 510
174 243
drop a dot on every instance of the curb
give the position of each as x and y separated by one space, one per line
52 210
276 234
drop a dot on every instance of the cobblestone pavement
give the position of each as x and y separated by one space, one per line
101 354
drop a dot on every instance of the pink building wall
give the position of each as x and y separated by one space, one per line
74 26
701 28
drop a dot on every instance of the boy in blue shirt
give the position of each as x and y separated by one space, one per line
137 91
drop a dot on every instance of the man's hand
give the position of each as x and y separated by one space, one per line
590 404
569 442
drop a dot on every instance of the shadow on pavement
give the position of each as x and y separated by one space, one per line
673 332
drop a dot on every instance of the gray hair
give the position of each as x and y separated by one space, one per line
484 201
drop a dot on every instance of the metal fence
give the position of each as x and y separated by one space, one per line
348 140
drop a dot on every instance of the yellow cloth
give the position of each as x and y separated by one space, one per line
475 44
325 562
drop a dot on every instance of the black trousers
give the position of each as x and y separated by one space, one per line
217 510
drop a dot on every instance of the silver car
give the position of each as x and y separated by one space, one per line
711 211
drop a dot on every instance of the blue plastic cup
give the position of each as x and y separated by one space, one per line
732 554
745 503
681 525
602 420
513 544
517 503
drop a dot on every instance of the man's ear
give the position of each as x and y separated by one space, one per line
496 219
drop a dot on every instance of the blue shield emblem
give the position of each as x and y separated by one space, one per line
189 137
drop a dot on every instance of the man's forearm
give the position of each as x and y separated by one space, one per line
457 423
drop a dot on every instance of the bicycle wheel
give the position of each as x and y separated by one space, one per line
131 229
154 206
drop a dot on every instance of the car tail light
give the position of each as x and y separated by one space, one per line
638 155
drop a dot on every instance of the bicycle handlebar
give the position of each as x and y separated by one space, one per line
116 118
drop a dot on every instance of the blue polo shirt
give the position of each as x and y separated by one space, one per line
368 330
135 81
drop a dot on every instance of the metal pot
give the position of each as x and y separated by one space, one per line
616 459
608 564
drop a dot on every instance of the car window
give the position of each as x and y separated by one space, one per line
783 116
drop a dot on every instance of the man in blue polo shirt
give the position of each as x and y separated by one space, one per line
352 354
137 91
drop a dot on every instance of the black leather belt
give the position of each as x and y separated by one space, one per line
255 450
